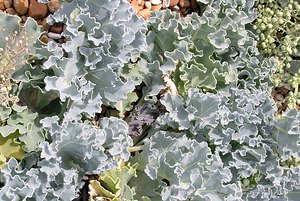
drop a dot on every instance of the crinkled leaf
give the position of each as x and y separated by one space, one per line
10 147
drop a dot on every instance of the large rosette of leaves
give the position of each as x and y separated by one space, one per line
75 149
237 123
101 37
239 128
20 132
186 170
206 52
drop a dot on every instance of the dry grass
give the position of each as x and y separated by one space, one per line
11 57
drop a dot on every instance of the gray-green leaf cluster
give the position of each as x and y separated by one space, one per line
185 99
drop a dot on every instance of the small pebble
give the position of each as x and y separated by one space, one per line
286 86
148 5
24 18
54 36
53 5
37 10
135 5
273 93
284 91
142 4
145 13
8 3
155 2
279 97
166 3
183 7
11 11
39 21
156 7
194 4
56 29
45 24
175 8
2 7
184 3
21 6
173 2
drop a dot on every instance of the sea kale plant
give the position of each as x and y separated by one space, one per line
172 108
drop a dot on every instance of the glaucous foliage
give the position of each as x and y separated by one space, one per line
215 137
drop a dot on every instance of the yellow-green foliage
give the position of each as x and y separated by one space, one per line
113 185
10 147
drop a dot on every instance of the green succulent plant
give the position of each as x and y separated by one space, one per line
278 25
